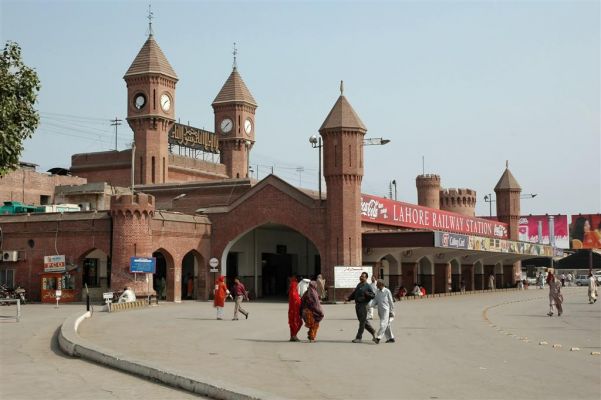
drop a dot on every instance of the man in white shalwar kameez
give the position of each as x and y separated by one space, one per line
303 285
592 289
371 305
385 304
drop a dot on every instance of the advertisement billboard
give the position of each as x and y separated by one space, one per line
528 229
585 231
54 263
396 213
456 241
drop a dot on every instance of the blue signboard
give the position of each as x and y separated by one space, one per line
145 265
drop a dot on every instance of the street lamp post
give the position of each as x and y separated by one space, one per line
488 198
316 143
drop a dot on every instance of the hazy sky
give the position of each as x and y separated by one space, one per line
467 85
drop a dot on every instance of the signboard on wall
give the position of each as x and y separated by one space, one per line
347 277
479 243
143 265
389 212
528 229
194 138
54 263
585 231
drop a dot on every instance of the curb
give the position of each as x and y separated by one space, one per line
72 344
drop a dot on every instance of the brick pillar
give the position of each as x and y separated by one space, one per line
132 236
467 275
174 280
408 275
442 274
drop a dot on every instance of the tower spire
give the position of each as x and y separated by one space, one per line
235 53
342 88
150 16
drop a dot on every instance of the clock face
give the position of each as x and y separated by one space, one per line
248 126
226 125
165 102
139 101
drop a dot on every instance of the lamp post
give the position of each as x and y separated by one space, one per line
488 198
316 144
176 198
394 185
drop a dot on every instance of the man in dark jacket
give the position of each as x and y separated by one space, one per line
362 295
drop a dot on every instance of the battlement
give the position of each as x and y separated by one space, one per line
457 192
140 202
427 180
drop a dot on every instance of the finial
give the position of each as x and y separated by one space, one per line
150 16
235 52
507 164
341 88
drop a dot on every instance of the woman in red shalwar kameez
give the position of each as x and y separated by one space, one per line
221 293
294 317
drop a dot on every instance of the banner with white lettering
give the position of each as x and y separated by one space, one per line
396 213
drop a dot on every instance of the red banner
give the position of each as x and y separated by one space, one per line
389 212
586 231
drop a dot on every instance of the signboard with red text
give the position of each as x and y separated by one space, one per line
395 213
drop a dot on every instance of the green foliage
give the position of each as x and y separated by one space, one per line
19 86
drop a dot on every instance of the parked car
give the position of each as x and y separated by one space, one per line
581 280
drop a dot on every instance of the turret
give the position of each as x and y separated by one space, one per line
132 236
428 190
461 201
508 192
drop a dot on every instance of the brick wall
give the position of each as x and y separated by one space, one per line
27 185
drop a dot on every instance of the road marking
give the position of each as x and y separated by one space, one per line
542 343
557 346
575 349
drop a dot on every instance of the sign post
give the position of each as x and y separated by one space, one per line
58 294
213 263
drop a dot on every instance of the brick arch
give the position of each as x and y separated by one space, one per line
268 205
170 276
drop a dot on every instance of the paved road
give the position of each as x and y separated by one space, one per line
33 367
458 347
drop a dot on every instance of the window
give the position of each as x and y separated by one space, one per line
68 282
44 200
7 277
90 272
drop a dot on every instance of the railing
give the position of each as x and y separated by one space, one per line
18 301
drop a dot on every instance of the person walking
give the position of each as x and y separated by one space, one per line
570 277
303 285
385 304
294 314
592 289
362 296
240 294
220 294
563 280
541 280
555 296
491 281
321 287
370 305
311 311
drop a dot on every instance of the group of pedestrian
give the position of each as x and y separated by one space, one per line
304 305
221 293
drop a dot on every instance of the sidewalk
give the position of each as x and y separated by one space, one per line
445 348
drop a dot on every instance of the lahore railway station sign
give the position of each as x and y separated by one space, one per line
389 212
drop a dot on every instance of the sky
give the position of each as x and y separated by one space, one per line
463 86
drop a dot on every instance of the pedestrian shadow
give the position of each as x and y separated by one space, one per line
201 319
302 341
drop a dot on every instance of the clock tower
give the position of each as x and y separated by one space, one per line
234 109
150 111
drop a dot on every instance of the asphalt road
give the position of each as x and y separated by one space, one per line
33 367
481 346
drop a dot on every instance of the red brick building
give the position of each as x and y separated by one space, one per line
187 210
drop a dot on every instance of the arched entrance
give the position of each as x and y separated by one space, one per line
455 275
190 275
159 281
425 274
266 256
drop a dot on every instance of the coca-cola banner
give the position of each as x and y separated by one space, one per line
528 229
389 212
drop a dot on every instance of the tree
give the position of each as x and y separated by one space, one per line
19 86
